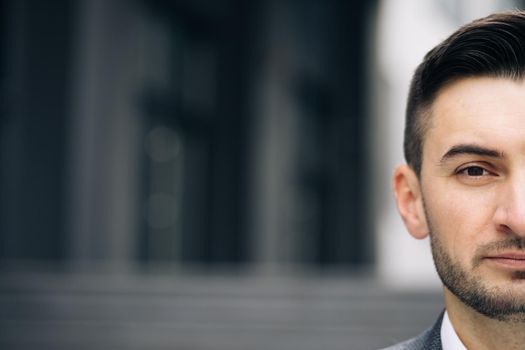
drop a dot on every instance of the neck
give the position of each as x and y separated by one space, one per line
479 332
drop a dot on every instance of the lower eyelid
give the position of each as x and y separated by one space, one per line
484 177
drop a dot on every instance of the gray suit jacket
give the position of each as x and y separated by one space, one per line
428 340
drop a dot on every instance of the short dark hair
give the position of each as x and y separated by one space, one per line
493 46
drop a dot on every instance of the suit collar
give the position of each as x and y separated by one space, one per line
433 337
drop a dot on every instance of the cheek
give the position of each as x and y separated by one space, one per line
461 219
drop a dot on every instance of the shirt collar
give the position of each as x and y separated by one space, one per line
449 337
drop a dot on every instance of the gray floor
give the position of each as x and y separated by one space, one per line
201 312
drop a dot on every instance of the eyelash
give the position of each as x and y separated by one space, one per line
465 171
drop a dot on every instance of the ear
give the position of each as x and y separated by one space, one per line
409 201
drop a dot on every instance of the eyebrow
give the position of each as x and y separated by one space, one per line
467 149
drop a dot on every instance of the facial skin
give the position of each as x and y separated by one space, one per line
470 196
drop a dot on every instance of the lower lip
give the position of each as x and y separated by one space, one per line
510 263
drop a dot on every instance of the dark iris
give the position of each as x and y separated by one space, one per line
475 171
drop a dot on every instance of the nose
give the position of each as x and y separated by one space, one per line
510 214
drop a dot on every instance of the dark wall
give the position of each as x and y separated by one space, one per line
36 62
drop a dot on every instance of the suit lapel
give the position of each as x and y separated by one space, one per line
433 337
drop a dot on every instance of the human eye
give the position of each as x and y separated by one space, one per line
475 173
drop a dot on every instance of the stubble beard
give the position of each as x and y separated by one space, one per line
492 301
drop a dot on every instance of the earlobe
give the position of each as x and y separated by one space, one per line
409 201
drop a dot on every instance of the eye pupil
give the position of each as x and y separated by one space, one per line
475 171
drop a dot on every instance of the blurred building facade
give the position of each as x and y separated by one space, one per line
220 160
185 132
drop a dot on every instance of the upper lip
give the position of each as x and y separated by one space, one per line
510 256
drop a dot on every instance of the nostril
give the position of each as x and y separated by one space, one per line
509 231
505 229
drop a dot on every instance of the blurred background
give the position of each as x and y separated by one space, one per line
211 174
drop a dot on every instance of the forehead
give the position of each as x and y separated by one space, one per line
478 110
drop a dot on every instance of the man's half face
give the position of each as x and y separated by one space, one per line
473 190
